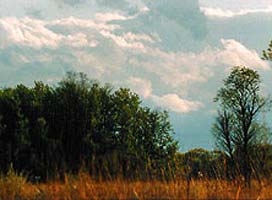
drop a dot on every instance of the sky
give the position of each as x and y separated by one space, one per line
173 53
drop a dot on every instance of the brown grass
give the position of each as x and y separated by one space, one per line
15 186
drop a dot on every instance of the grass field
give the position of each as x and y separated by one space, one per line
14 186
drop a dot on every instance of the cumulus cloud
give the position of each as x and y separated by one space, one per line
235 53
106 17
34 33
78 23
27 32
179 70
77 32
171 102
174 103
225 13
176 69
140 86
39 33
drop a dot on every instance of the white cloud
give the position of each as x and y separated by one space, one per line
34 33
174 103
170 102
225 13
176 69
28 32
82 23
179 70
122 41
107 17
77 33
125 40
79 40
235 53
140 86
137 37
144 9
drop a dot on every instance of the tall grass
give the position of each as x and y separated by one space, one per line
82 186
15 186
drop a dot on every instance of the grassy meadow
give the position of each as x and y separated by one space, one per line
82 186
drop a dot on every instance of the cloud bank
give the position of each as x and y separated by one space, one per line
106 52
171 102
218 12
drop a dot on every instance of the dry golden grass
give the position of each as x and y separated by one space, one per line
15 186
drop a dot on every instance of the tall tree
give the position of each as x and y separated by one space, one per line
240 97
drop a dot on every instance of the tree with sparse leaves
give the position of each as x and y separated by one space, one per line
236 129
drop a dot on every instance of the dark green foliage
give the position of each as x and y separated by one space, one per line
48 131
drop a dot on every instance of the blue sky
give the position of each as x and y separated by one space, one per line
173 53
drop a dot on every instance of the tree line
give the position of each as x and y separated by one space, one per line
48 131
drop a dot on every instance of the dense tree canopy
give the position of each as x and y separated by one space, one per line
48 131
